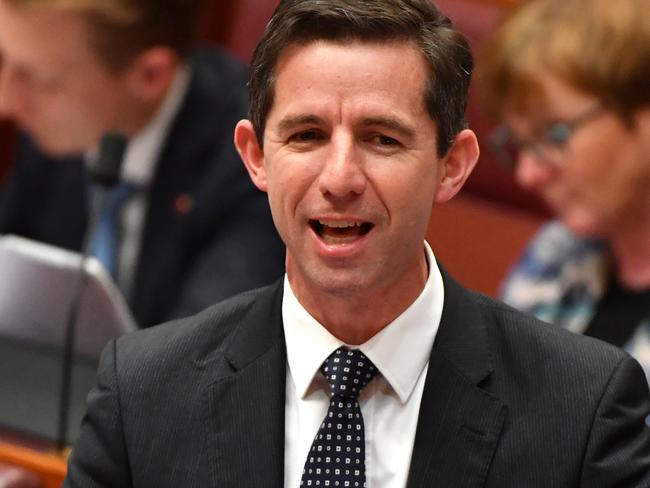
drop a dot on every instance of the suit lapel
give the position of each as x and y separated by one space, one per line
246 402
459 423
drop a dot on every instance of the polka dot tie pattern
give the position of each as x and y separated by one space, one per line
337 455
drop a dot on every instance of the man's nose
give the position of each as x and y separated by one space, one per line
342 173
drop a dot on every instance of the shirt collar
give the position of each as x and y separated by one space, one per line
400 351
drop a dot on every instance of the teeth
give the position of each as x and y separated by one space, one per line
339 224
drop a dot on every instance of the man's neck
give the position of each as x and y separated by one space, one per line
356 315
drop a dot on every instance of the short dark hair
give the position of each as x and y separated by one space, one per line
419 21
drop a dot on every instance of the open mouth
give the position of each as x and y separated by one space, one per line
340 232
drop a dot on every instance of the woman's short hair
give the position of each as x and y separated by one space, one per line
599 47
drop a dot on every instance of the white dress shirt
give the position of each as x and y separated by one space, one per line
390 403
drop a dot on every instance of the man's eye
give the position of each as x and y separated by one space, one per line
304 136
386 141
35 81
383 141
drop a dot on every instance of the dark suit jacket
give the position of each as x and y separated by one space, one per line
508 402
226 243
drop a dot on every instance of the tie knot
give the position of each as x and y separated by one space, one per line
348 371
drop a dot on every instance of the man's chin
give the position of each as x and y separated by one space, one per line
57 147
338 283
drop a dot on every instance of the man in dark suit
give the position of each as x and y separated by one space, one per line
368 365
197 231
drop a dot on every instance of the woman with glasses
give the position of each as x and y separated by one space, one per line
570 80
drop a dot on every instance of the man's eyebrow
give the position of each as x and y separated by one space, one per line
290 122
389 123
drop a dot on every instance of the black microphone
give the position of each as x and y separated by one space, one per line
106 170
105 173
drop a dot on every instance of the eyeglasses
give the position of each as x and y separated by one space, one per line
548 145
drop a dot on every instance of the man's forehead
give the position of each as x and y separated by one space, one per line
306 68
43 27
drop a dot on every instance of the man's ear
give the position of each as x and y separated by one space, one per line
457 165
250 152
151 73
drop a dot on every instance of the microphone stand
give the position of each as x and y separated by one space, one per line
69 334
106 174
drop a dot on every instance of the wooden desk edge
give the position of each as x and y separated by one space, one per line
50 468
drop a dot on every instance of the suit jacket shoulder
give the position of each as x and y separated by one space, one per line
207 337
533 404
172 402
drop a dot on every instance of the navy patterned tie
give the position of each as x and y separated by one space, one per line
338 456
107 236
